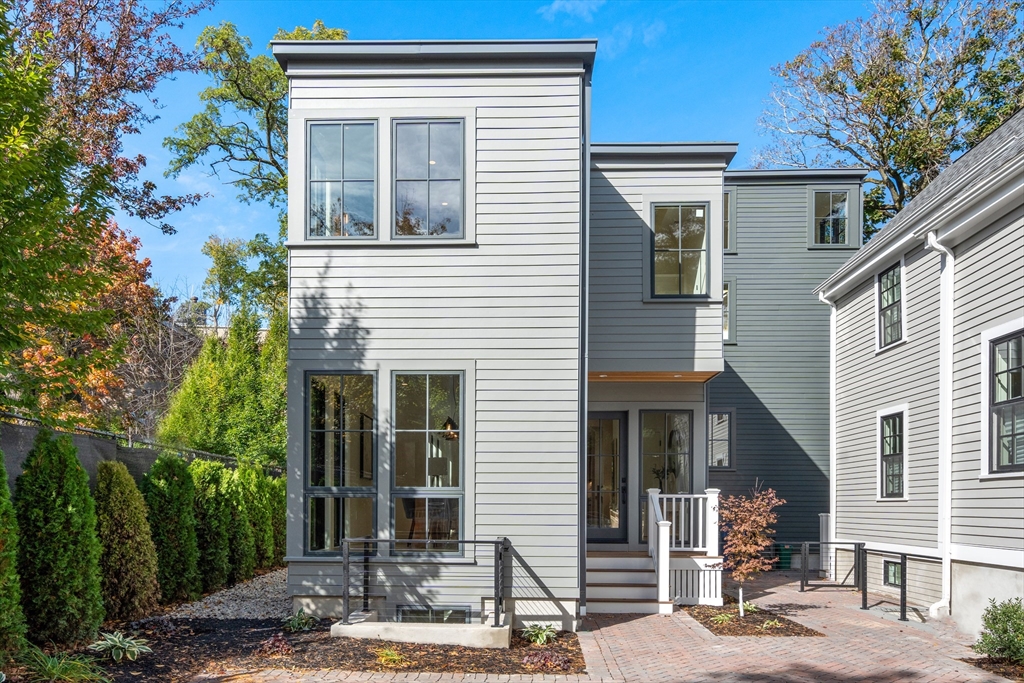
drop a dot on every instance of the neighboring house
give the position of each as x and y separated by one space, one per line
927 404
502 331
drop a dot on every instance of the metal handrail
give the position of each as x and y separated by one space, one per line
502 547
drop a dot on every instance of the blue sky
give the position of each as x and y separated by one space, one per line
665 71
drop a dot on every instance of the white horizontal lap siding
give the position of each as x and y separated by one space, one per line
510 305
867 382
989 272
625 332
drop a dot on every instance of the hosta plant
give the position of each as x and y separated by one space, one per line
540 634
118 646
300 622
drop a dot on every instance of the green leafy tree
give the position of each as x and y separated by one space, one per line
213 519
170 495
226 277
256 493
12 620
58 553
902 93
128 563
243 545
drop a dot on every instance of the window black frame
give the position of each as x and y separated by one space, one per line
395 122
375 179
642 497
308 491
706 249
732 440
432 609
897 305
896 569
993 405
849 241
884 458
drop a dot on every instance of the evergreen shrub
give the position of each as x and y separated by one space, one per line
256 494
279 516
242 544
58 551
170 495
212 522
12 621
128 565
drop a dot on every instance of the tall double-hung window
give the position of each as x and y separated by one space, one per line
340 469
1007 403
831 217
342 179
429 169
680 250
893 460
427 491
890 307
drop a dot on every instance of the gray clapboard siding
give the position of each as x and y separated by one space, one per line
627 333
868 382
509 306
776 374
989 275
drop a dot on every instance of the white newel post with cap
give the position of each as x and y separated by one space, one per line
711 531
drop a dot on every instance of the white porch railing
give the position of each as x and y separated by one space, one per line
682 522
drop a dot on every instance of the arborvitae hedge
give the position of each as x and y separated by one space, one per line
279 516
170 495
58 552
255 490
12 621
212 522
243 547
128 561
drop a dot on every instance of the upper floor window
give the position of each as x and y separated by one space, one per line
680 250
892 456
831 217
890 304
729 310
729 221
342 185
720 440
1007 403
429 171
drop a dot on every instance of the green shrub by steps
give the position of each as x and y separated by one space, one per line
212 522
12 621
170 495
1002 632
242 544
128 565
279 516
256 494
58 552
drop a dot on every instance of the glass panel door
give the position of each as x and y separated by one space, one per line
666 456
606 477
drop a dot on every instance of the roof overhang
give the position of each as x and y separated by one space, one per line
639 154
796 175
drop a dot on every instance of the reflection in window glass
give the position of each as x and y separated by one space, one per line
341 430
342 185
889 307
831 217
428 178
665 458
680 250
1007 403
719 440
334 518
426 524
892 456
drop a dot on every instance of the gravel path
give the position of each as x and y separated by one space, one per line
265 597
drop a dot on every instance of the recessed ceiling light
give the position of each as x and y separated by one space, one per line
444 203
432 162
602 375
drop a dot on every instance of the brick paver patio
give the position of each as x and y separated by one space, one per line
859 647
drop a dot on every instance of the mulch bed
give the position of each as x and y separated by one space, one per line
752 623
1000 667
183 648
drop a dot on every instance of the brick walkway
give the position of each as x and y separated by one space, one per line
859 647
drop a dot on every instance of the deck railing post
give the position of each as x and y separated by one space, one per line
499 568
803 565
711 522
345 581
863 554
903 587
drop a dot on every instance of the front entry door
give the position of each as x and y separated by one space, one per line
606 477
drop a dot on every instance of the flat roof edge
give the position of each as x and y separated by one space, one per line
404 50
760 174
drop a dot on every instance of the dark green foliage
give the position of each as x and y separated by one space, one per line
128 560
12 621
279 516
212 522
170 495
1002 633
255 490
59 553
243 546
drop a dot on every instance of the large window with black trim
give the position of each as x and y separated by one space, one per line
427 485
830 218
680 249
892 460
890 306
340 481
1006 403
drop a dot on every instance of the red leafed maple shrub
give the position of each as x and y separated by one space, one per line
748 533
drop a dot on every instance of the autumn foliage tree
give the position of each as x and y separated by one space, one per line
748 533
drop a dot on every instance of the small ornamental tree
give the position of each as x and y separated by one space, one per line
58 552
128 560
212 522
748 534
243 547
279 516
12 621
170 495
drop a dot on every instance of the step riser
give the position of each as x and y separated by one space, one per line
620 563
622 592
598 607
638 578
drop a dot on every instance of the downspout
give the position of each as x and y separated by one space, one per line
945 497
832 455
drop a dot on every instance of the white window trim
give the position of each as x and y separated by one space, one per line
903 409
732 439
987 335
903 307
854 220
298 125
731 191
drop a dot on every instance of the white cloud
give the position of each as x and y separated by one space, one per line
581 9
617 43
652 32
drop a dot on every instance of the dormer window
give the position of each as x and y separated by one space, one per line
429 171
342 185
